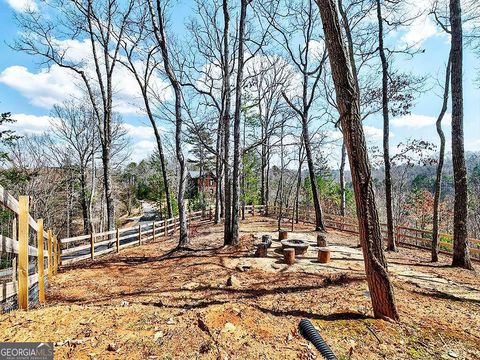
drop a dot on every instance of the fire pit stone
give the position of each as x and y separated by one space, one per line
300 246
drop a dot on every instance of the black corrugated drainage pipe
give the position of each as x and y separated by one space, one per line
310 333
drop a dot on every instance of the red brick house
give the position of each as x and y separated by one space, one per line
196 183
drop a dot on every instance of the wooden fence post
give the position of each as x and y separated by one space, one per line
117 238
23 252
253 210
49 249
153 231
92 245
165 230
398 235
41 263
55 255
139 234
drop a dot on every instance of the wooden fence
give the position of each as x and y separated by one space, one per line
29 255
84 247
404 235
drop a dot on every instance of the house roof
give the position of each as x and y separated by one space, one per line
195 174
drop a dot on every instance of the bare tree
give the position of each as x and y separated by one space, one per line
461 256
206 63
233 238
157 16
141 60
386 130
74 126
227 233
348 101
305 22
439 172
103 24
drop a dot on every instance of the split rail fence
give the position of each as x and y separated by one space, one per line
85 247
404 235
29 254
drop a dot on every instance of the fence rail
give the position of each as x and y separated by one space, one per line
29 256
404 235
91 246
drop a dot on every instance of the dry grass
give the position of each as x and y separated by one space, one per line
153 302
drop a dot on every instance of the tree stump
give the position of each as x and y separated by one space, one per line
282 235
289 256
321 240
261 250
323 255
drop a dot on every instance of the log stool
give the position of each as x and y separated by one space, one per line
282 235
261 250
289 256
321 240
323 255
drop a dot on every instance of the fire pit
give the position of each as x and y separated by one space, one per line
300 246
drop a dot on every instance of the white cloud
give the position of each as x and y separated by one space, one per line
317 48
472 145
141 131
48 87
140 135
43 89
372 133
421 29
26 124
22 5
334 135
417 121
142 150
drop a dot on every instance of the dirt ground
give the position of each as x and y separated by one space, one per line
152 302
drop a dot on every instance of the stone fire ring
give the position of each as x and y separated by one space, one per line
300 246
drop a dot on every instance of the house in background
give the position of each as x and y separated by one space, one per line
197 183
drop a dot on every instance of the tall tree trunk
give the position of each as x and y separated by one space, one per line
160 151
218 170
280 185
107 183
227 231
461 256
163 165
143 84
342 180
160 35
386 133
267 178
92 195
441 156
263 168
299 182
237 163
319 226
348 101
83 200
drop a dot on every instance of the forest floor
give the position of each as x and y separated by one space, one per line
152 302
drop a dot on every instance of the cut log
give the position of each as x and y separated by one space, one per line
289 256
321 240
323 255
282 235
261 250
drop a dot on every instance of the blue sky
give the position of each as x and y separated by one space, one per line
24 84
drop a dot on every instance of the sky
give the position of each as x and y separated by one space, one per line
29 90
